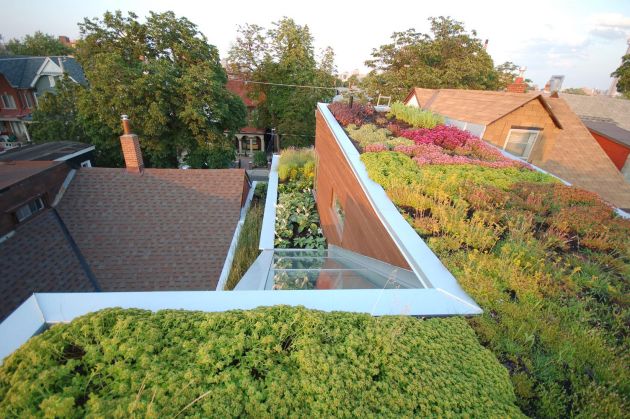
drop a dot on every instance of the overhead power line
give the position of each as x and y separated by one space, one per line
287 85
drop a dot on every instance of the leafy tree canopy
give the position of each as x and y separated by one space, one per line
37 44
165 75
623 72
574 91
448 57
284 54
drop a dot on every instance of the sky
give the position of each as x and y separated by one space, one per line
582 40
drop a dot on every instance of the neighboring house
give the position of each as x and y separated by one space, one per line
22 81
75 153
102 229
615 141
249 139
540 130
608 120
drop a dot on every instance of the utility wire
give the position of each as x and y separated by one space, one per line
287 85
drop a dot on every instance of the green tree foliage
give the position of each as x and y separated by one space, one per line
37 44
448 57
269 362
574 91
284 54
165 76
623 72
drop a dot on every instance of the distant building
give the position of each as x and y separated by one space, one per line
543 131
22 81
250 138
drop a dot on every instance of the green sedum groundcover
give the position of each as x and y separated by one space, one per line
268 362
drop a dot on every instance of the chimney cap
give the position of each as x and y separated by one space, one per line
124 117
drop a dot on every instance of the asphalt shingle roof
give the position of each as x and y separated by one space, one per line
476 106
38 258
618 110
166 229
44 151
610 130
20 71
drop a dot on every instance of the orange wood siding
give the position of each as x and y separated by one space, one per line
532 114
362 230
617 152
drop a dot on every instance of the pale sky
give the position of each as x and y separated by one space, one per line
583 40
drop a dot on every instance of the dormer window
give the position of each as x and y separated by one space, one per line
520 142
26 211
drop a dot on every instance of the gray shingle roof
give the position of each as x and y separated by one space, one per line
20 71
610 130
44 151
38 258
602 107
163 230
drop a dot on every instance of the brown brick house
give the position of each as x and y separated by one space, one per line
541 130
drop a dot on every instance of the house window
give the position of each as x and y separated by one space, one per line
7 101
25 211
340 214
86 163
520 142
27 100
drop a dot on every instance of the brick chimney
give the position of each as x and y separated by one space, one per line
518 86
131 148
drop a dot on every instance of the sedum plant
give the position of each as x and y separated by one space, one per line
269 362
548 263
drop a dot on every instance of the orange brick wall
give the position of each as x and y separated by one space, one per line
532 114
362 230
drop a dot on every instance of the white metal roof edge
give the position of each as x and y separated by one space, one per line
268 230
42 309
420 257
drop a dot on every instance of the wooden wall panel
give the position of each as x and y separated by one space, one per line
362 230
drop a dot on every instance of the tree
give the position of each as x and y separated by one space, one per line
448 57
38 44
163 74
284 55
623 72
574 91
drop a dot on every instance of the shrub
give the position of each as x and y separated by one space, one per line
296 163
268 362
260 159
297 219
346 115
445 136
414 116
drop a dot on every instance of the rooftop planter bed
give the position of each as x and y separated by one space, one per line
271 362
297 220
548 263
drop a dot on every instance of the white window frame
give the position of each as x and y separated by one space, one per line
86 163
27 99
5 97
529 147
27 210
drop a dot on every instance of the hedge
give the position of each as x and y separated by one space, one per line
268 362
